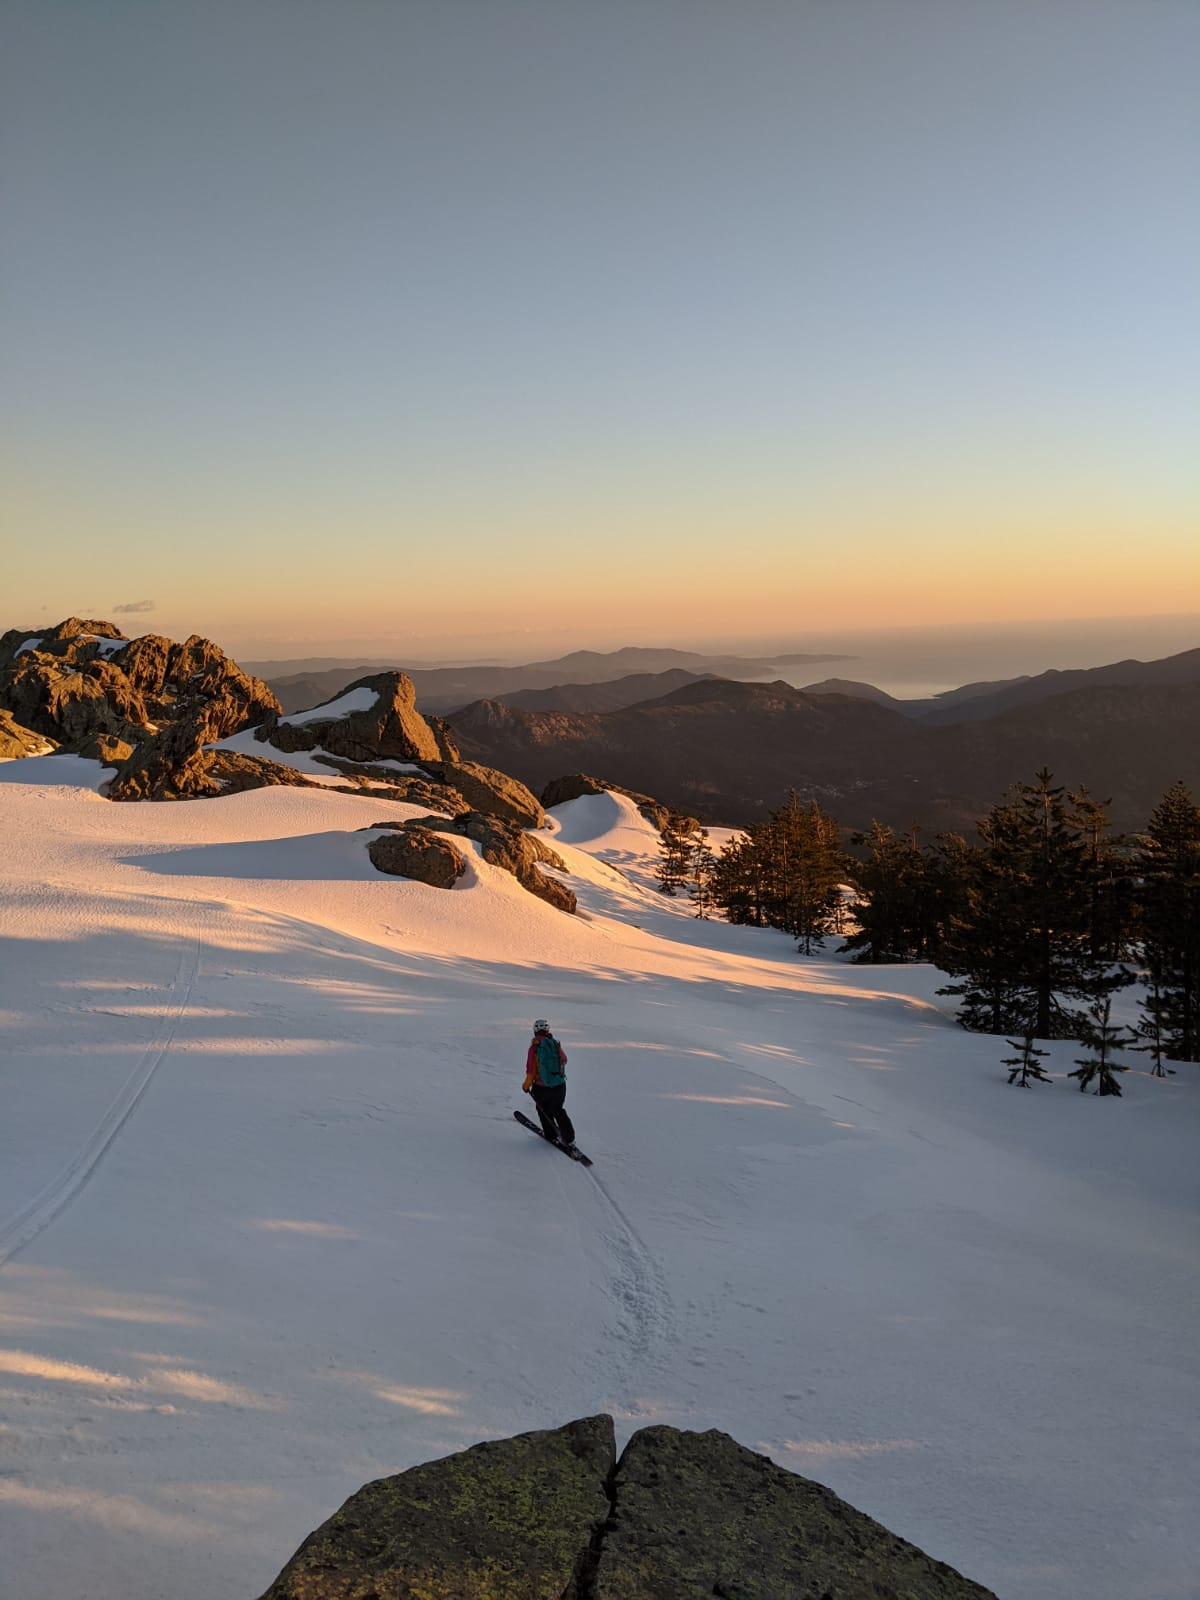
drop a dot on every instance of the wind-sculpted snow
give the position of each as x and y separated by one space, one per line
272 1231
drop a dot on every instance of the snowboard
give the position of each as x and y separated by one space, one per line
575 1153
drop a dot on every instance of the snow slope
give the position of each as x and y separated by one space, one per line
268 1230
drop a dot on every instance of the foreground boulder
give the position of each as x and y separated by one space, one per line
417 853
546 1516
512 1519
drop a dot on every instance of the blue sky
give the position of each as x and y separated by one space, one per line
334 320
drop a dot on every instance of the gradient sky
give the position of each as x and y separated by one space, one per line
624 321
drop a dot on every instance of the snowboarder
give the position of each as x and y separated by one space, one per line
546 1081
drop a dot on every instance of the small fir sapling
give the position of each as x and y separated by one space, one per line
1152 1032
1100 1037
1025 1067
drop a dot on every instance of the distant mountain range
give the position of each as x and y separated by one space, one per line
978 701
729 751
442 689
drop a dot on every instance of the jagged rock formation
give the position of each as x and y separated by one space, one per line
559 790
553 1516
17 741
405 850
85 686
389 728
174 765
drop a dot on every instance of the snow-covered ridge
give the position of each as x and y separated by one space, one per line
279 1234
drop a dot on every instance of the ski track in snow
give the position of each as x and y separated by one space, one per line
639 1285
636 1286
24 1225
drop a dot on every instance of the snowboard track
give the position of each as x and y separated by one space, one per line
37 1214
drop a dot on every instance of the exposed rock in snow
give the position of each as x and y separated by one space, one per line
685 1515
85 680
412 852
375 718
488 790
559 790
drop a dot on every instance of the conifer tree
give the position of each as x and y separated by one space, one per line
892 904
1021 940
675 846
803 865
1100 1037
1168 863
738 886
702 864
1026 1067
1150 1031
1110 874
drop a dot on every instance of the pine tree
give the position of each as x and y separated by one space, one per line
1025 1066
1099 1036
675 847
702 865
738 880
892 902
1110 873
976 946
1169 920
1021 938
1150 1031
803 869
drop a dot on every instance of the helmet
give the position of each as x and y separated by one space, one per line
541 1026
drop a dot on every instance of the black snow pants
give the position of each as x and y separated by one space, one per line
552 1113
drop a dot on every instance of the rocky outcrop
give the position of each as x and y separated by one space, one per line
195 680
408 850
503 844
83 681
559 790
62 638
547 1516
152 708
485 789
71 696
390 728
174 765
17 741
